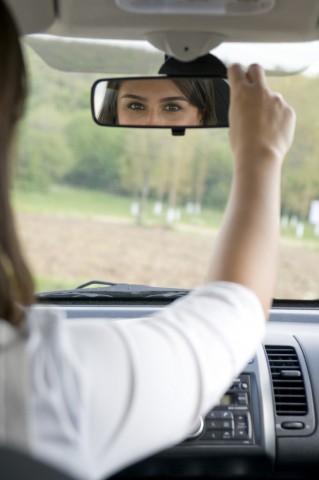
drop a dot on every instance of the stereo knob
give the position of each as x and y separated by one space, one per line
197 430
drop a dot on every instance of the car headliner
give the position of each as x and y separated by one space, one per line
289 20
184 36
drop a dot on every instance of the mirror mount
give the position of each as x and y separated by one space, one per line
206 65
186 45
178 132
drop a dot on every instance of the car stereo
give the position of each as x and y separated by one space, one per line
231 421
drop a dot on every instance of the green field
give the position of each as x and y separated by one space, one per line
66 200
71 201
47 284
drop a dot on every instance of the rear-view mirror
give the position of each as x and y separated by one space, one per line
161 102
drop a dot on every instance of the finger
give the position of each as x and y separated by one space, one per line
279 97
256 74
236 74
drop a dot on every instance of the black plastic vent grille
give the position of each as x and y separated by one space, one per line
288 385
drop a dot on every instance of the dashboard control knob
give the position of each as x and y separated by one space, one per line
197 430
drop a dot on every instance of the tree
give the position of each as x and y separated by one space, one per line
44 156
98 152
299 178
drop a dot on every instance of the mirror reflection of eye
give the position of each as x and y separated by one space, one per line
136 106
173 107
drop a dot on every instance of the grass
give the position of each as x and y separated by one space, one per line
47 284
68 200
309 234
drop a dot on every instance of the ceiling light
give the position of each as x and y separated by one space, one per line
197 7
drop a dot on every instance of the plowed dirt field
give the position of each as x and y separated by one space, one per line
117 250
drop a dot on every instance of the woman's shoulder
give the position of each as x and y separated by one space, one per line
44 321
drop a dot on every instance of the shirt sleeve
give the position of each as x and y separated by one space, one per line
157 375
145 382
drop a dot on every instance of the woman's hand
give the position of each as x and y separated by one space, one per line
261 122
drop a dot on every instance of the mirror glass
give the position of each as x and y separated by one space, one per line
171 102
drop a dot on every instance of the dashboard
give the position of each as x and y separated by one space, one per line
266 425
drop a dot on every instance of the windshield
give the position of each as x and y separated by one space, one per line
142 206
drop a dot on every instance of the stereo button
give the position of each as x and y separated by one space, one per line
242 399
214 424
227 424
220 414
241 434
215 414
241 421
219 424
227 435
212 436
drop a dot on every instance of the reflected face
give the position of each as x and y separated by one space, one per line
155 103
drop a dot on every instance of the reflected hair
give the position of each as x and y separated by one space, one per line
16 285
198 91
108 111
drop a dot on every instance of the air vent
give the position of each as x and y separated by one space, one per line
287 380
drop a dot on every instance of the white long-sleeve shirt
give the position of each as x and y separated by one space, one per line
108 393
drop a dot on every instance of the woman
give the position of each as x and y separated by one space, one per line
159 102
103 395
15 278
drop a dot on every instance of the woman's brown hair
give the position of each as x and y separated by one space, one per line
16 285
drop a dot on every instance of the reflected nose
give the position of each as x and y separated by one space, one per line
153 118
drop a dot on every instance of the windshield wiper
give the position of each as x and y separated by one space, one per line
132 292
116 291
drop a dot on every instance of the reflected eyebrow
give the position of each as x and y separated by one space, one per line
162 100
172 99
135 97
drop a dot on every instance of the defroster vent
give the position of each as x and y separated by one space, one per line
287 380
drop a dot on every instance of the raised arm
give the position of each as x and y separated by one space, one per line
261 132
